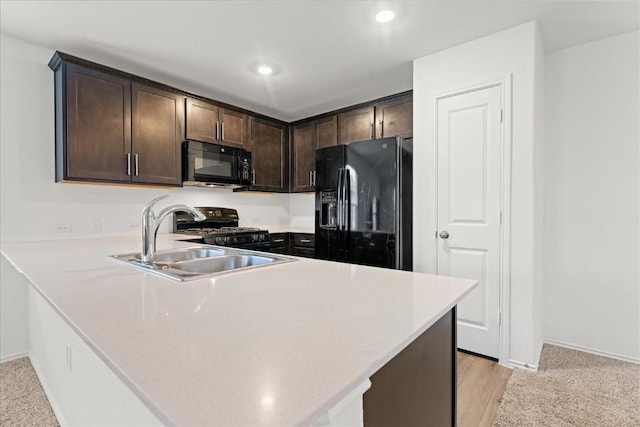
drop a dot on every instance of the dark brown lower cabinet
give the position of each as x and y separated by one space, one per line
303 244
418 386
279 243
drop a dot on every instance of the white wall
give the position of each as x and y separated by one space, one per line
516 52
32 203
592 282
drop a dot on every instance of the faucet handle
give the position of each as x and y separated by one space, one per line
149 206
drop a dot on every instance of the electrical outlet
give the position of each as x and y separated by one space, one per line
62 228
68 357
133 225
95 225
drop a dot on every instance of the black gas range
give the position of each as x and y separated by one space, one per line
221 229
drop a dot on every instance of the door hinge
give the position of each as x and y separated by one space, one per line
499 318
500 217
501 115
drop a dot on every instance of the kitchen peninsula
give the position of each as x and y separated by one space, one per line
289 344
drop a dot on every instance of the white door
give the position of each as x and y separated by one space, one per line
469 217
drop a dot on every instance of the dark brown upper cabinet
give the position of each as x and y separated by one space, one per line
157 123
356 125
207 122
394 118
326 131
269 155
93 132
112 129
303 160
306 138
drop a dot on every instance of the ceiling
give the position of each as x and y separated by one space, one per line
331 54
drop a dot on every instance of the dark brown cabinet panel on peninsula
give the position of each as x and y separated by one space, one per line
207 122
269 156
94 142
157 123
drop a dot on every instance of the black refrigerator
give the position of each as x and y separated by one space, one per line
363 203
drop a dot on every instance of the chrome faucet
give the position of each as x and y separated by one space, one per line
151 223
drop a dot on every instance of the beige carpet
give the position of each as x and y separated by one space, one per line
572 388
22 399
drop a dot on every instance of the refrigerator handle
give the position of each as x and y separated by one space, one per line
346 202
399 195
340 205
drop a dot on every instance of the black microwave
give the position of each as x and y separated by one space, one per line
205 164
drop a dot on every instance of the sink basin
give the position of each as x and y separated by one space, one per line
202 261
186 254
223 263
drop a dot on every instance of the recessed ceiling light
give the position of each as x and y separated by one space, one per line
385 16
265 70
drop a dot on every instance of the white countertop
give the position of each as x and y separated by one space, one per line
278 345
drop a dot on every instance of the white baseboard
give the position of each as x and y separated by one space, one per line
592 351
10 357
521 365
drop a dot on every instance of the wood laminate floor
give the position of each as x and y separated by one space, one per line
481 383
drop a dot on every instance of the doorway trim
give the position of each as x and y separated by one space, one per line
504 285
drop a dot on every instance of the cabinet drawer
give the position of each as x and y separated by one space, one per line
279 243
305 240
303 252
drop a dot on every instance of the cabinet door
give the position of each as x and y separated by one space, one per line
157 125
326 131
232 128
394 118
268 156
356 125
98 131
303 157
202 119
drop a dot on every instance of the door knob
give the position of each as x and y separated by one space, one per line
444 234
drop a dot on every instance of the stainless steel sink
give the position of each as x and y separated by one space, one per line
202 261
186 254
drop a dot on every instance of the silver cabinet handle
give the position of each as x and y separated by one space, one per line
314 178
128 164
278 240
381 128
253 177
305 241
310 178
136 163
444 234
217 131
371 126
222 130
